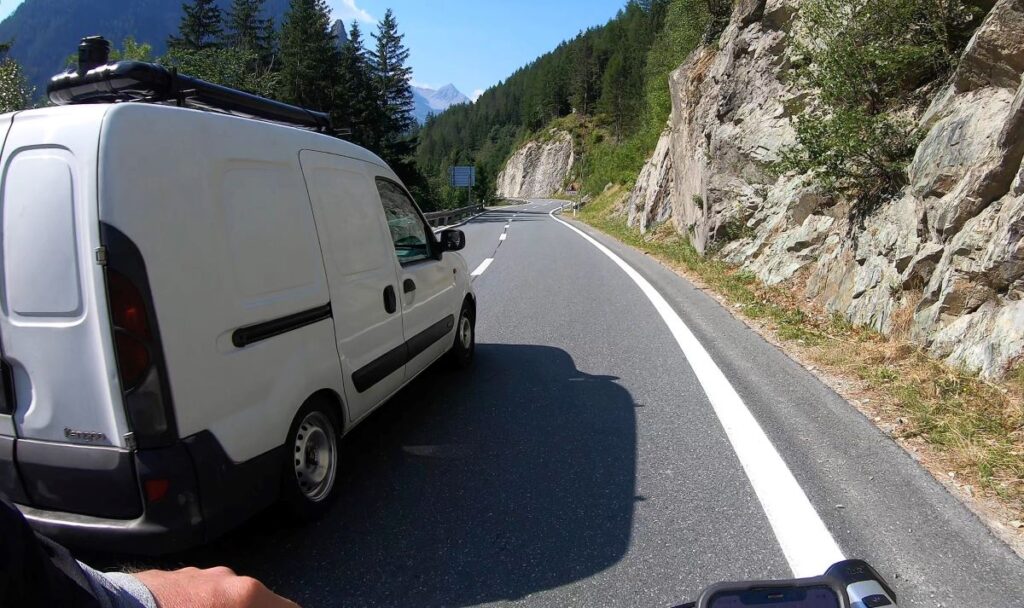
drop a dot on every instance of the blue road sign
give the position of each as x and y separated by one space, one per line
462 177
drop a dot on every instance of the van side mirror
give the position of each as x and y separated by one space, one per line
453 240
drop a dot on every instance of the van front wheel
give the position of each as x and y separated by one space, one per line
310 477
461 354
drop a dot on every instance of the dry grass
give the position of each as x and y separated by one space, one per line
964 429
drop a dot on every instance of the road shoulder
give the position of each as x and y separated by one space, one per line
854 392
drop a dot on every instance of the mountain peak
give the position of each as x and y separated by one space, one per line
434 101
340 33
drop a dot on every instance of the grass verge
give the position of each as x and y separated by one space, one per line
968 432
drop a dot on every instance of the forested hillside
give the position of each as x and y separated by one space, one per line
612 80
45 32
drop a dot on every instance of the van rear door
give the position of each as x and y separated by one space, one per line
10 482
71 445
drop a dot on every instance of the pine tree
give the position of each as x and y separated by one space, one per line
200 27
248 29
355 102
585 85
621 93
309 57
392 83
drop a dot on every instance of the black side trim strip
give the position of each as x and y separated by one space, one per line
247 336
367 377
429 336
375 371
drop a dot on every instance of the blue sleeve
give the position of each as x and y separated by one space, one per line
118 590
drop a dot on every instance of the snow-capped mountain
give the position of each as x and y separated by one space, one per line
428 101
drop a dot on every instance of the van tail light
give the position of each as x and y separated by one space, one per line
131 330
156 489
137 345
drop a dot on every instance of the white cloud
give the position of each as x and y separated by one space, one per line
348 11
476 95
423 85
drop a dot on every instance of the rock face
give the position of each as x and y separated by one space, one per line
539 168
943 264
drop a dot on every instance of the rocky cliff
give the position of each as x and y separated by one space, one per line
539 168
942 264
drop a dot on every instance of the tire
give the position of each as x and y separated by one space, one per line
313 453
461 354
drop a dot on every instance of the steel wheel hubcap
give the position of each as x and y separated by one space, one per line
466 332
315 456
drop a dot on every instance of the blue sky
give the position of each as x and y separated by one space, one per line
473 44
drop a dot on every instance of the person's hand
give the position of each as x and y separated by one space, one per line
214 588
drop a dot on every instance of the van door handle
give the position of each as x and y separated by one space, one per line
390 300
409 286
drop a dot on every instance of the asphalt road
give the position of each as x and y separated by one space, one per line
585 460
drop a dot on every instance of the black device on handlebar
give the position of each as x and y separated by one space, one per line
849 584
819 592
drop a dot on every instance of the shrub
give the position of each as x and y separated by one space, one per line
864 58
853 152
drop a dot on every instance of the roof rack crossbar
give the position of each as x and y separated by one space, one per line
152 83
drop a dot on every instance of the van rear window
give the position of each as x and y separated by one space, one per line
40 253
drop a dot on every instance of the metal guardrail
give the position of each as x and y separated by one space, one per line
436 219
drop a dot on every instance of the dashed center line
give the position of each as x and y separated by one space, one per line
482 268
504 235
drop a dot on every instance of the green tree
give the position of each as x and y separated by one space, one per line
355 100
622 86
130 51
392 84
585 84
227 66
248 28
309 57
681 32
15 91
200 28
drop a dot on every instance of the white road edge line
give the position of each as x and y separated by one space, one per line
805 540
482 268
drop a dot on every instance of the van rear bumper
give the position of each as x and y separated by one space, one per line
139 536
206 495
172 523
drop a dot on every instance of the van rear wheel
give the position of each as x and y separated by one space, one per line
313 452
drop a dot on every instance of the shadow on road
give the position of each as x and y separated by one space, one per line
509 479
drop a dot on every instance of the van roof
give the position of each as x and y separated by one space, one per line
303 138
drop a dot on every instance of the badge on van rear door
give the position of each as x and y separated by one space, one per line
86 436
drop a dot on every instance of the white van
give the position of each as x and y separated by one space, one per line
194 309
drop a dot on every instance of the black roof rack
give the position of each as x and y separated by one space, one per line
97 81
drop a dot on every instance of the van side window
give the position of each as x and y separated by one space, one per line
408 231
